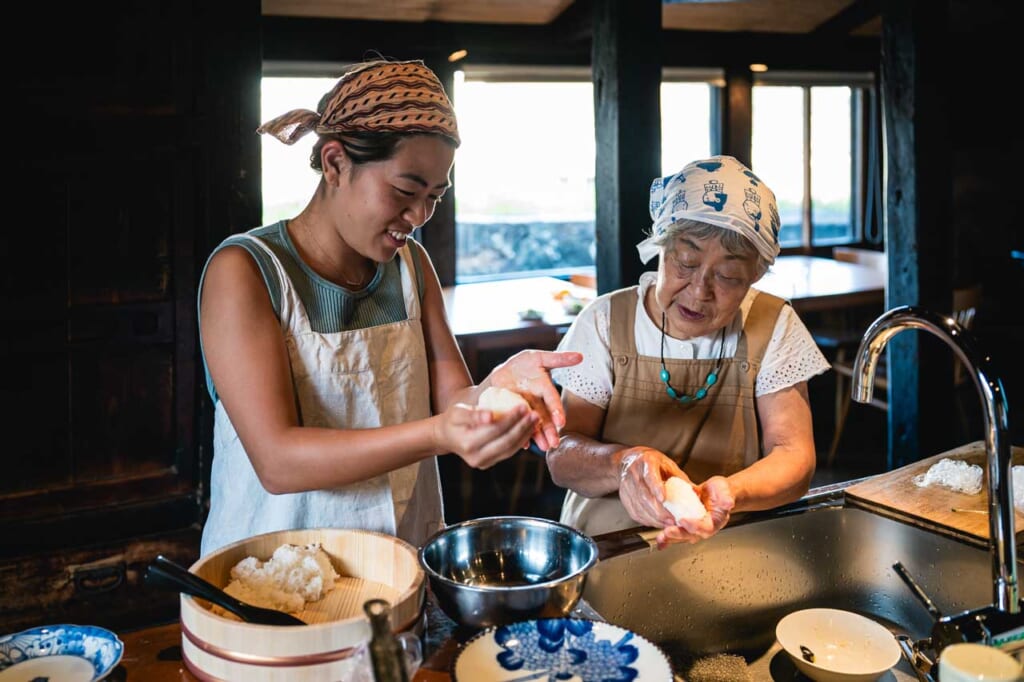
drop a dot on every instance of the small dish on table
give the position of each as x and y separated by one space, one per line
531 315
66 652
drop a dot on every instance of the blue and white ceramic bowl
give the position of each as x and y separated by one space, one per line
60 652
560 649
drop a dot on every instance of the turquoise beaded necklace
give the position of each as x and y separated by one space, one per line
708 382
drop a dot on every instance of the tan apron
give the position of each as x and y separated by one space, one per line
357 379
716 435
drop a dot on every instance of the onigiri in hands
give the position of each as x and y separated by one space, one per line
500 400
682 500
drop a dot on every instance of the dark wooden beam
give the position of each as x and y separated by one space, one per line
848 19
778 51
627 81
438 235
343 40
575 23
563 42
919 224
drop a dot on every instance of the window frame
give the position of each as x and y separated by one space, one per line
864 138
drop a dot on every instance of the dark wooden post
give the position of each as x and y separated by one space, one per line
736 114
627 118
919 233
438 235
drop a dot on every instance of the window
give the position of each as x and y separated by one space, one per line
686 110
807 145
288 181
524 176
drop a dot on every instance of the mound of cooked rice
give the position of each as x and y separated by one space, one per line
291 577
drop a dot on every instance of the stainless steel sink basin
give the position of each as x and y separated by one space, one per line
727 594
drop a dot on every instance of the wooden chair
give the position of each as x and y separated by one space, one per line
840 334
965 305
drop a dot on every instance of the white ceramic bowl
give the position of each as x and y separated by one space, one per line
830 645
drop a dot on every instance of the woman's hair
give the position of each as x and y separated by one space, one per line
733 242
364 147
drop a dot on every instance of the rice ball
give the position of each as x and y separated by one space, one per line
500 400
681 499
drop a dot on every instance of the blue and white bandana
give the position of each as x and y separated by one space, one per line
719 191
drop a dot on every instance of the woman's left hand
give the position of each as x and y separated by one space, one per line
527 373
718 500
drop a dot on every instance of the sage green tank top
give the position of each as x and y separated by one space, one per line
331 308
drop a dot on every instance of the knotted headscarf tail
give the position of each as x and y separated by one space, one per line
719 191
379 96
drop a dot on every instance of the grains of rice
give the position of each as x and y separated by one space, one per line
720 668
293 576
954 474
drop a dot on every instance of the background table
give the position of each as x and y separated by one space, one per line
485 315
812 283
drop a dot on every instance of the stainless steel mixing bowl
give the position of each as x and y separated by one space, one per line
502 569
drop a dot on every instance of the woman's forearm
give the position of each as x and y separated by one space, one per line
585 466
301 458
782 476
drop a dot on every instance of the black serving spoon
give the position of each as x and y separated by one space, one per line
166 574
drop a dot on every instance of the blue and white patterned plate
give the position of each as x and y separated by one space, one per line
553 649
59 653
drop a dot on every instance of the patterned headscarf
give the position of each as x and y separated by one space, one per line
379 96
719 191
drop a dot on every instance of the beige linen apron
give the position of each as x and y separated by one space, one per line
357 379
717 435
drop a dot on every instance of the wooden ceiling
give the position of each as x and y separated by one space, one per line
765 16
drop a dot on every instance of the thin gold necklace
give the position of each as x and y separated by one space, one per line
309 230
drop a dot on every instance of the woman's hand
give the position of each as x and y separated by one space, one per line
718 500
527 373
642 475
481 439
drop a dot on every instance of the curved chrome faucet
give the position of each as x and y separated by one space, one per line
1002 538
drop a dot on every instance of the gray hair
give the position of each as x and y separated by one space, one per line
734 242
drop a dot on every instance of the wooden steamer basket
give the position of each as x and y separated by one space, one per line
371 565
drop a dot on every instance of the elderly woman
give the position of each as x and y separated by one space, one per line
693 373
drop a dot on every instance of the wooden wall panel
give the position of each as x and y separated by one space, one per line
137 150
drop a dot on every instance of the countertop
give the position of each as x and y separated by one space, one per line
153 654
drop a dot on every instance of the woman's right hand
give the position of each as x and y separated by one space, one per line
481 438
642 475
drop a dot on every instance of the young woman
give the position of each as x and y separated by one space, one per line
336 378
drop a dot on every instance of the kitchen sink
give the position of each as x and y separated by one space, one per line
726 594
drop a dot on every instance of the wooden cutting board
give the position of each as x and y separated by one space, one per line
896 490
